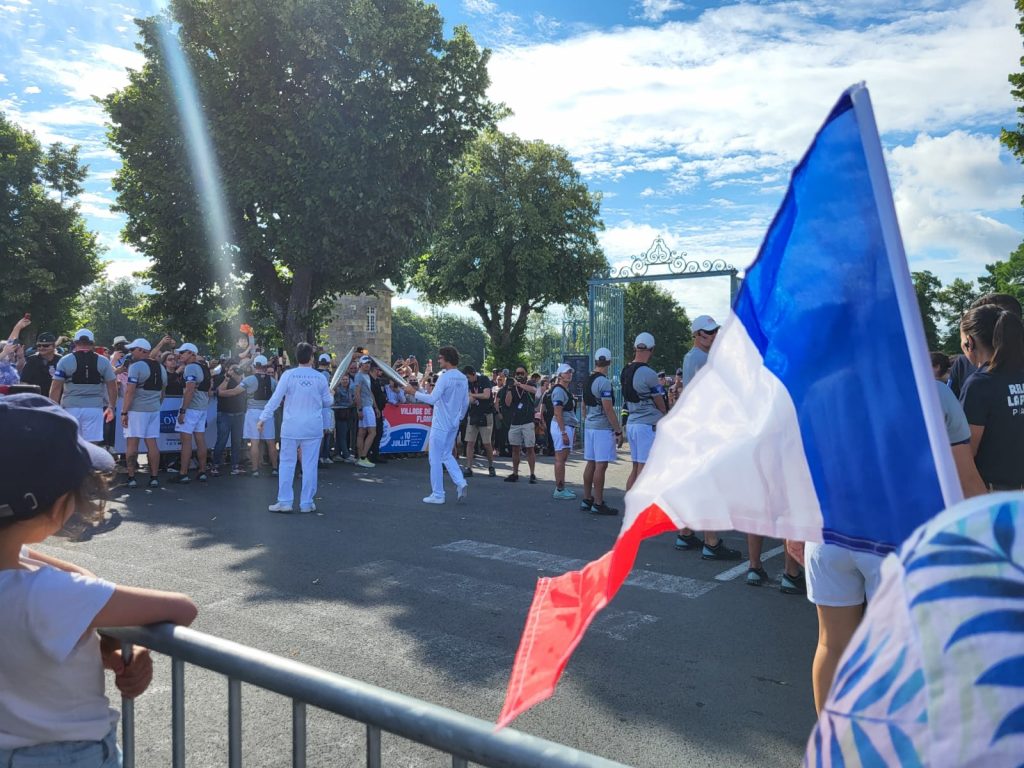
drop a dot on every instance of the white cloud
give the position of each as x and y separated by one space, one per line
655 10
3 77
97 71
33 89
481 7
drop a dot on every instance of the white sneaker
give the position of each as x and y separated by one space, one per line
351 460
432 499
279 507
463 490
306 510
365 463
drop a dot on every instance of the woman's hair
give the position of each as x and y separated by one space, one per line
304 352
1001 331
940 360
1001 300
166 356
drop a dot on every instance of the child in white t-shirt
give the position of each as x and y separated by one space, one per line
53 709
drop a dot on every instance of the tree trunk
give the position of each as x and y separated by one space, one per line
295 323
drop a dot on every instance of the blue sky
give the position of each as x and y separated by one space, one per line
686 116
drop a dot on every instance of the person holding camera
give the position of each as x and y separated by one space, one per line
519 399
231 397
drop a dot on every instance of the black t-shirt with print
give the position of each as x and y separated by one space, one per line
480 407
995 400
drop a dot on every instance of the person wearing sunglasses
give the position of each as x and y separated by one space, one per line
39 367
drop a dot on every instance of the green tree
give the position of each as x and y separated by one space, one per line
1006 276
520 235
927 287
543 343
112 308
648 307
46 251
1013 139
464 334
336 125
411 334
953 300
62 172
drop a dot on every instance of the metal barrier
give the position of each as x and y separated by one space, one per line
465 738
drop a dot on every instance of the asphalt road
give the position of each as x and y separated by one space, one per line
683 669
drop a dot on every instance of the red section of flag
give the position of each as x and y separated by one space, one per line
563 608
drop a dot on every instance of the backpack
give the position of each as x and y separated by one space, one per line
87 368
588 391
155 382
548 407
626 380
204 385
262 387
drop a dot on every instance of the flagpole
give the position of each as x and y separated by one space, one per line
906 297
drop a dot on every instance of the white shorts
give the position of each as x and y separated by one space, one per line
641 438
557 437
90 423
195 421
143 424
838 577
249 431
599 445
367 418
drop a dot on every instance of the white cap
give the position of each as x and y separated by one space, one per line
259 360
603 354
188 346
325 358
705 323
564 368
644 341
84 334
140 344
365 359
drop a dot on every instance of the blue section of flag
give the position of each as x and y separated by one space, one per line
820 305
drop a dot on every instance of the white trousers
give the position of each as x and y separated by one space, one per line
286 470
439 447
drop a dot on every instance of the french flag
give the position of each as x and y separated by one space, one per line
816 417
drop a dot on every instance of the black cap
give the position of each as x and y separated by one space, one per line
46 338
42 455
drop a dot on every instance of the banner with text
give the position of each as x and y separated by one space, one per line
406 428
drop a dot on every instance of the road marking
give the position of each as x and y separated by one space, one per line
485 595
739 570
650 580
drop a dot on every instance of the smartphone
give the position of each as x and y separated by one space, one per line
28 315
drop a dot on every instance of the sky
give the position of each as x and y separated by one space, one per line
687 117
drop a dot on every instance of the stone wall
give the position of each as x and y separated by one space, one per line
349 326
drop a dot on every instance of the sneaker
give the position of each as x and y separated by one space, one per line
182 480
586 505
308 510
132 483
237 471
154 483
172 470
563 495
687 541
273 472
793 585
533 479
603 509
351 460
365 463
491 472
254 473
719 552
512 478
756 576
215 472
432 499
328 459
463 491
467 472
201 477
279 507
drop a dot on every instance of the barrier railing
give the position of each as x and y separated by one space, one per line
467 739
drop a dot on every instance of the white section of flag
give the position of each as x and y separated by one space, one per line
729 454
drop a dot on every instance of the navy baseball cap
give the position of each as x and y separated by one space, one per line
42 455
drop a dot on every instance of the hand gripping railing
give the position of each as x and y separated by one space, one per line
465 738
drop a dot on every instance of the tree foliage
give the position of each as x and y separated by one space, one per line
953 300
927 287
47 252
336 126
1006 276
648 307
521 234
112 308
1013 140
423 335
